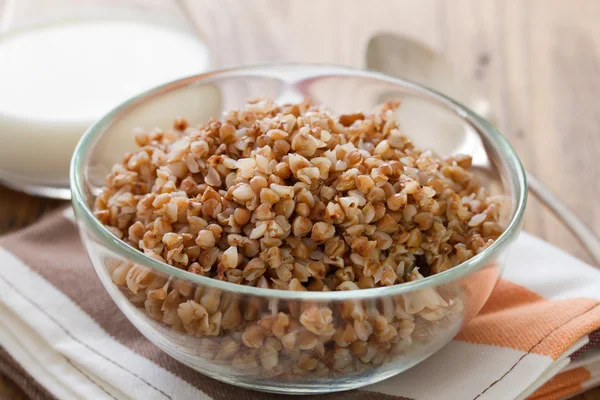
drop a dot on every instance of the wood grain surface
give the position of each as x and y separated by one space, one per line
537 61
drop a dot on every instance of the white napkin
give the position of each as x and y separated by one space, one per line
72 340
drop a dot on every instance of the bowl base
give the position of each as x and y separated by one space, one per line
324 386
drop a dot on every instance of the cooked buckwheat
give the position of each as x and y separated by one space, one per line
294 197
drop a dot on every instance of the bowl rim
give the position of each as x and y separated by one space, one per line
86 219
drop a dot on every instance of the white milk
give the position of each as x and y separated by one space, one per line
55 80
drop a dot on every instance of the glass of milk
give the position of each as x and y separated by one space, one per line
61 68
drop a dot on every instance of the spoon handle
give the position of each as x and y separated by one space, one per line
586 236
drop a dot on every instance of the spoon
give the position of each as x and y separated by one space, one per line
407 58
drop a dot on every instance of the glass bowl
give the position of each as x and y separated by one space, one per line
309 342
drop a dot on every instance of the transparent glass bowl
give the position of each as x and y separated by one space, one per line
311 342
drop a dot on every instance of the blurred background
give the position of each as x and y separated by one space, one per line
535 63
532 67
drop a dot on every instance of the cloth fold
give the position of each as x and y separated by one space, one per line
63 337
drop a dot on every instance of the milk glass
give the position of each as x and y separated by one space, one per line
65 63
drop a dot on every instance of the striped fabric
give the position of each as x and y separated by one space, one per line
62 336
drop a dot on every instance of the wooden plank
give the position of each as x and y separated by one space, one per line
333 31
565 113
537 61
18 209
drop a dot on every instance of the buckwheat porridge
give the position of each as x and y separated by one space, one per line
296 198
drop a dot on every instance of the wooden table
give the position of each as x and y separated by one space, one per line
538 61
